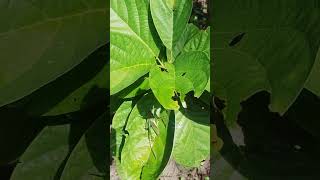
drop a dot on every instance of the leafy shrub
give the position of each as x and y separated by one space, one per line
160 67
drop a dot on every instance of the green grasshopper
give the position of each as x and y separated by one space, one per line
152 120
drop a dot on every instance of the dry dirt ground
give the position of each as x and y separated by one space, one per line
174 171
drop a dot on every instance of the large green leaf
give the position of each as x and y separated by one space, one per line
146 148
118 134
138 87
89 157
133 42
199 42
57 148
263 45
195 66
179 78
188 34
192 136
162 148
83 86
163 85
44 40
118 124
44 156
190 71
196 54
170 18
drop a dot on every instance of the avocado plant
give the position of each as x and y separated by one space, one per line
159 76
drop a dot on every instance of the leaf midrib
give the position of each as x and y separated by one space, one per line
55 19
133 66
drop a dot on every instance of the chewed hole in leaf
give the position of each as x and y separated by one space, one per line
183 74
163 69
175 97
236 39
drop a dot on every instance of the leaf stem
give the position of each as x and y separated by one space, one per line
161 63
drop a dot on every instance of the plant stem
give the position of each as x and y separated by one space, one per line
161 63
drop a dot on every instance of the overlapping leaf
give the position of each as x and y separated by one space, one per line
133 42
83 86
189 72
45 40
164 86
187 34
78 148
118 124
89 157
195 67
199 41
145 152
192 136
263 46
193 63
138 87
170 18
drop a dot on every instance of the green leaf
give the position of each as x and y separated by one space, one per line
138 87
265 48
118 124
83 86
193 62
133 42
163 85
89 157
145 152
42 159
199 42
118 134
170 18
45 40
162 148
192 136
188 34
180 78
195 66
57 147
314 78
